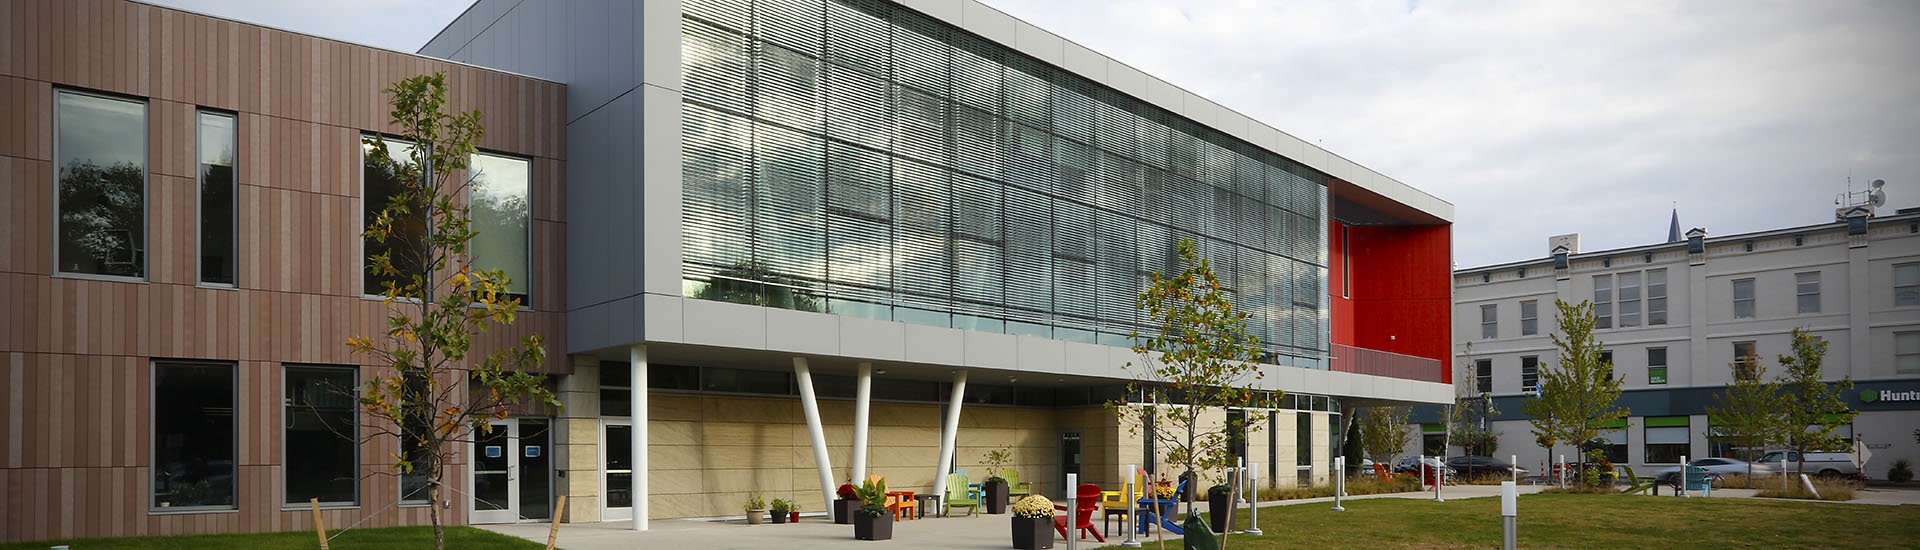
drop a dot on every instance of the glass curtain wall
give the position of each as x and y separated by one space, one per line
860 158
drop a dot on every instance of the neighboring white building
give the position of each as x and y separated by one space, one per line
1675 315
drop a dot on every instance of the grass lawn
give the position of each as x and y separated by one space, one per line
1584 521
392 538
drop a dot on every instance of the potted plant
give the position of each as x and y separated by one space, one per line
756 509
871 522
995 487
1033 523
1219 502
844 506
793 508
780 509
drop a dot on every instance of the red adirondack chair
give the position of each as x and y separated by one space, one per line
1086 500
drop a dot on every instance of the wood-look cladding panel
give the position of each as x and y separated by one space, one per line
76 354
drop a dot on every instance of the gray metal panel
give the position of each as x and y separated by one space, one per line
603 204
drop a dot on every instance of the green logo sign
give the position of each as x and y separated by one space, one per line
1869 396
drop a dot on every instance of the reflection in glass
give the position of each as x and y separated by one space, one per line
323 454
102 171
216 198
379 183
502 217
193 439
619 466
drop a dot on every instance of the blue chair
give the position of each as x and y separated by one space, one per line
1698 480
1152 510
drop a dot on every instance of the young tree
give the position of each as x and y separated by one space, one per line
434 396
1747 414
1383 432
1811 409
1578 395
1200 360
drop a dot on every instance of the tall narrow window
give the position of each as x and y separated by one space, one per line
1489 322
1606 362
1629 308
1529 318
1906 352
1603 301
217 187
101 152
1806 290
1530 374
503 219
193 436
1303 439
1346 261
379 183
1483 375
1656 366
1742 298
1906 285
322 442
1656 297
1744 360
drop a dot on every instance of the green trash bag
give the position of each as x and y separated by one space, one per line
1198 536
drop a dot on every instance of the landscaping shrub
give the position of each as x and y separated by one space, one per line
1363 485
1901 472
1830 489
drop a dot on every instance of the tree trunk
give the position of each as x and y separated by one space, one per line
433 513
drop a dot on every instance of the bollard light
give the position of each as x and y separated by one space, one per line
1513 461
1510 513
1253 478
1131 487
1439 478
1073 484
1339 483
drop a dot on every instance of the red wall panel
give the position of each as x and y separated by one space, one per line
1402 295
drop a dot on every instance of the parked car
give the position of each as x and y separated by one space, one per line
1715 467
1411 465
1821 464
1476 466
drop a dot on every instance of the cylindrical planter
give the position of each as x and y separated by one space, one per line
780 516
996 497
1217 511
843 510
756 517
867 527
1032 533
796 516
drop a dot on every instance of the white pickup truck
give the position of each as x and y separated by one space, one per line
1822 464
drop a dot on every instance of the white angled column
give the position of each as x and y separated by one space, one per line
862 395
947 434
637 388
812 409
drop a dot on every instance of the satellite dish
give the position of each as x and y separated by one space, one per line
1878 197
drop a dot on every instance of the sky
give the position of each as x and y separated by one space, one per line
1533 118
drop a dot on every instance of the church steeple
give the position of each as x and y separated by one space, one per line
1673 228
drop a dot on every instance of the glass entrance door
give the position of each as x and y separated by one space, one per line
617 467
512 472
1069 460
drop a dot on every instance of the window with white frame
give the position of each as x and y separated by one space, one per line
1529 318
502 219
1656 297
1906 352
1629 294
1489 322
1656 366
1743 298
1483 375
1906 285
1806 289
1530 374
1744 360
1603 301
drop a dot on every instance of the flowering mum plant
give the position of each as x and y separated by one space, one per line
845 491
1162 490
1033 507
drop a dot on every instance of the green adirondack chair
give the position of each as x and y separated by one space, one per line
1015 487
958 495
1638 484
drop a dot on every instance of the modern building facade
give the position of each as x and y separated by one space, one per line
772 245
1676 319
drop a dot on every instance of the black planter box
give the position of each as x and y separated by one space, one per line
780 516
843 510
867 527
1032 533
1217 511
996 497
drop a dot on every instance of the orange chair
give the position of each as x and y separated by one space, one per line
902 505
1086 500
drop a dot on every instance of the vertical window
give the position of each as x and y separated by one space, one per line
1656 366
1743 298
1744 360
619 466
101 150
1303 439
1606 362
1237 433
379 183
1656 297
616 390
193 436
1668 439
1529 318
1530 374
1806 289
1906 352
217 187
322 442
1346 261
1629 299
1615 443
1483 375
503 219
1489 321
1603 301
1906 285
